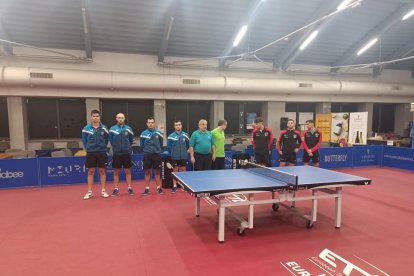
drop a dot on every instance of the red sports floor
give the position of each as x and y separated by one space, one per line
52 231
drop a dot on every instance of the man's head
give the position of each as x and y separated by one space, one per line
150 123
290 124
259 122
120 118
202 125
311 124
222 124
96 116
178 125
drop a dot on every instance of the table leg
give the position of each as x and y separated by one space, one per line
197 209
251 211
338 207
314 205
222 213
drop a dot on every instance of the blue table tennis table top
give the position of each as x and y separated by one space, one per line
216 182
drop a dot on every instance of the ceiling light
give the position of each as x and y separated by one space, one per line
308 40
408 15
343 4
367 46
240 35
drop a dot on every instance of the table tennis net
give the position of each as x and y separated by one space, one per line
285 177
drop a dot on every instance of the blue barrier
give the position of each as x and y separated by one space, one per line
70 170
401 158
62 170
19 173
228 161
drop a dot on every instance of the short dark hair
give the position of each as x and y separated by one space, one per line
258 120
150 118
95 111
310 121
291 120
177 121
221 122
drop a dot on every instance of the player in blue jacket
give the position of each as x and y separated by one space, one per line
95 138
151 141
121 137
178 143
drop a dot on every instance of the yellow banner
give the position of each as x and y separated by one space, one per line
323 123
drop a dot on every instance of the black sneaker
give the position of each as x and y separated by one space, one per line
130 191
160 191
174 190
146 191
115 192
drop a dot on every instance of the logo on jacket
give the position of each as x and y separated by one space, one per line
126 132
294 136
266 134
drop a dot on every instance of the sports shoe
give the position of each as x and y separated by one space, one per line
160 191
88 195
146 191
115 192
104 194
174 190
130 191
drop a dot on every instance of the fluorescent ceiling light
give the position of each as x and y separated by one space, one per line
343 4
367 46
308 40
408 15
240 35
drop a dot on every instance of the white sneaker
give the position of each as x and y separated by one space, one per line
88 195
104 194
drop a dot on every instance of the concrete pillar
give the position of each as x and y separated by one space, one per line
91 104
216 113
18 126
160 116
367 107
402 119
272 112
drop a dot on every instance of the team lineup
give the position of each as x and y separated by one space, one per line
206 149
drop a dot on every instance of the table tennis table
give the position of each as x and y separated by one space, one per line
281 183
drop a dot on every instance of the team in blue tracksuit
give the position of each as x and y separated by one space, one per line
95 141
121 138
151 143
177 146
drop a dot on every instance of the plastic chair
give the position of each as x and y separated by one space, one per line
48 145
73 145
67 152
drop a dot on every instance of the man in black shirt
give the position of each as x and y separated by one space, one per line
288 144
262 139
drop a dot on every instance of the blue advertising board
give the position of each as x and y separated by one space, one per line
19 173
337 157
62 170
401 158
366 156
137 170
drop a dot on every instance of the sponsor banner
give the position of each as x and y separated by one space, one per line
323 123
228 159
337 157
62 170
137 170
339 127
366 156
327 262
401 158
19 173
358 127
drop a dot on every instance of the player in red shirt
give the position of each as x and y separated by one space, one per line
311 141
288 144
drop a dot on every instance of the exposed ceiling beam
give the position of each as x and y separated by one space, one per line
404 51
251 11
8 48
376 32
291 50
86 30
169 22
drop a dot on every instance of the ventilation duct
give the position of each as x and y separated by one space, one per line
100 80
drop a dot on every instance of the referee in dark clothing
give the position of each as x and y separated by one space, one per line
262 139
202 149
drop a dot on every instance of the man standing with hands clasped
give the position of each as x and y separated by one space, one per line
311 141
202 148
288 144
121 137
